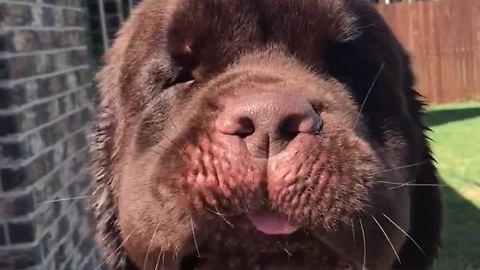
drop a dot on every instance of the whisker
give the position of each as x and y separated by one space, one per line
222 216
150 245
116 250
177 252
195 238
353 231
364 246
368 93
396 183
65 199
284 249
160 255
388 239
404 232
402 167
163 259
419 185
410 183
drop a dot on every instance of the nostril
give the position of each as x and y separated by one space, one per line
245 128
238 126
294 124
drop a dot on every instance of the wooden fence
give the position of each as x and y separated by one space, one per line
443 38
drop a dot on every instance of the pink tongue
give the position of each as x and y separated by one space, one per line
272 224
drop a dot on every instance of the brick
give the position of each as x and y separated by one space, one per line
75 143
52 86
62 61
47 40
72 80
83 76
46 112
44 63
63 226
78 186
34 144
3 41
53 133
55 234
78 57
60 255
91 264
77 120
15 206
4 69
47 214
20 258
32 117
18 95
73 18
58 14
71 38
13 97
21 232
12 150
69 265
37 15
24 204
85 247
16 15
3 240
17 67
9 124
25 175
48 18
22 41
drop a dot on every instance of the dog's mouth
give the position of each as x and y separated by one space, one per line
261 240
272 223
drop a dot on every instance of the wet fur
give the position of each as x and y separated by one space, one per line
351 47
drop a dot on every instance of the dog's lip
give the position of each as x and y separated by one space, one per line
272 223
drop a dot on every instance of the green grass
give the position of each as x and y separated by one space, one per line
456 146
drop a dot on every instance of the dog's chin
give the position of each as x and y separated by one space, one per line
263 241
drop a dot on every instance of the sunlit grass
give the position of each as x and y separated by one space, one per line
456 146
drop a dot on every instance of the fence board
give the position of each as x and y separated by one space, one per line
443 39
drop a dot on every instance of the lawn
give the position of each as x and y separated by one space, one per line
456 146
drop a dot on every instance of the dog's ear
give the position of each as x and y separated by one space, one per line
426 211
103 152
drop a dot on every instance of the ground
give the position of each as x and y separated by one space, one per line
456 145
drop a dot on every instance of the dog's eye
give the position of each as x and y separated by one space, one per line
182 75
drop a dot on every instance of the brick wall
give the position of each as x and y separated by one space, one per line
46 101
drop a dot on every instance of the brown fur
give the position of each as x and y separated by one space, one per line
171 193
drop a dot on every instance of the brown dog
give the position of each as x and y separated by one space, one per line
262 134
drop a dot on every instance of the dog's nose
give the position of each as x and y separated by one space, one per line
268 121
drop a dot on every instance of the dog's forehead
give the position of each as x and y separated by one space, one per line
217 31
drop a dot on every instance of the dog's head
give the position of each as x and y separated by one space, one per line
262 134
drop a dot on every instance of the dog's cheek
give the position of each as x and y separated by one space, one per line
153 217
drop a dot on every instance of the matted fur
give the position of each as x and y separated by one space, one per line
151 134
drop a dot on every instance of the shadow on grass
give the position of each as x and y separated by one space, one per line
438 117
461 234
